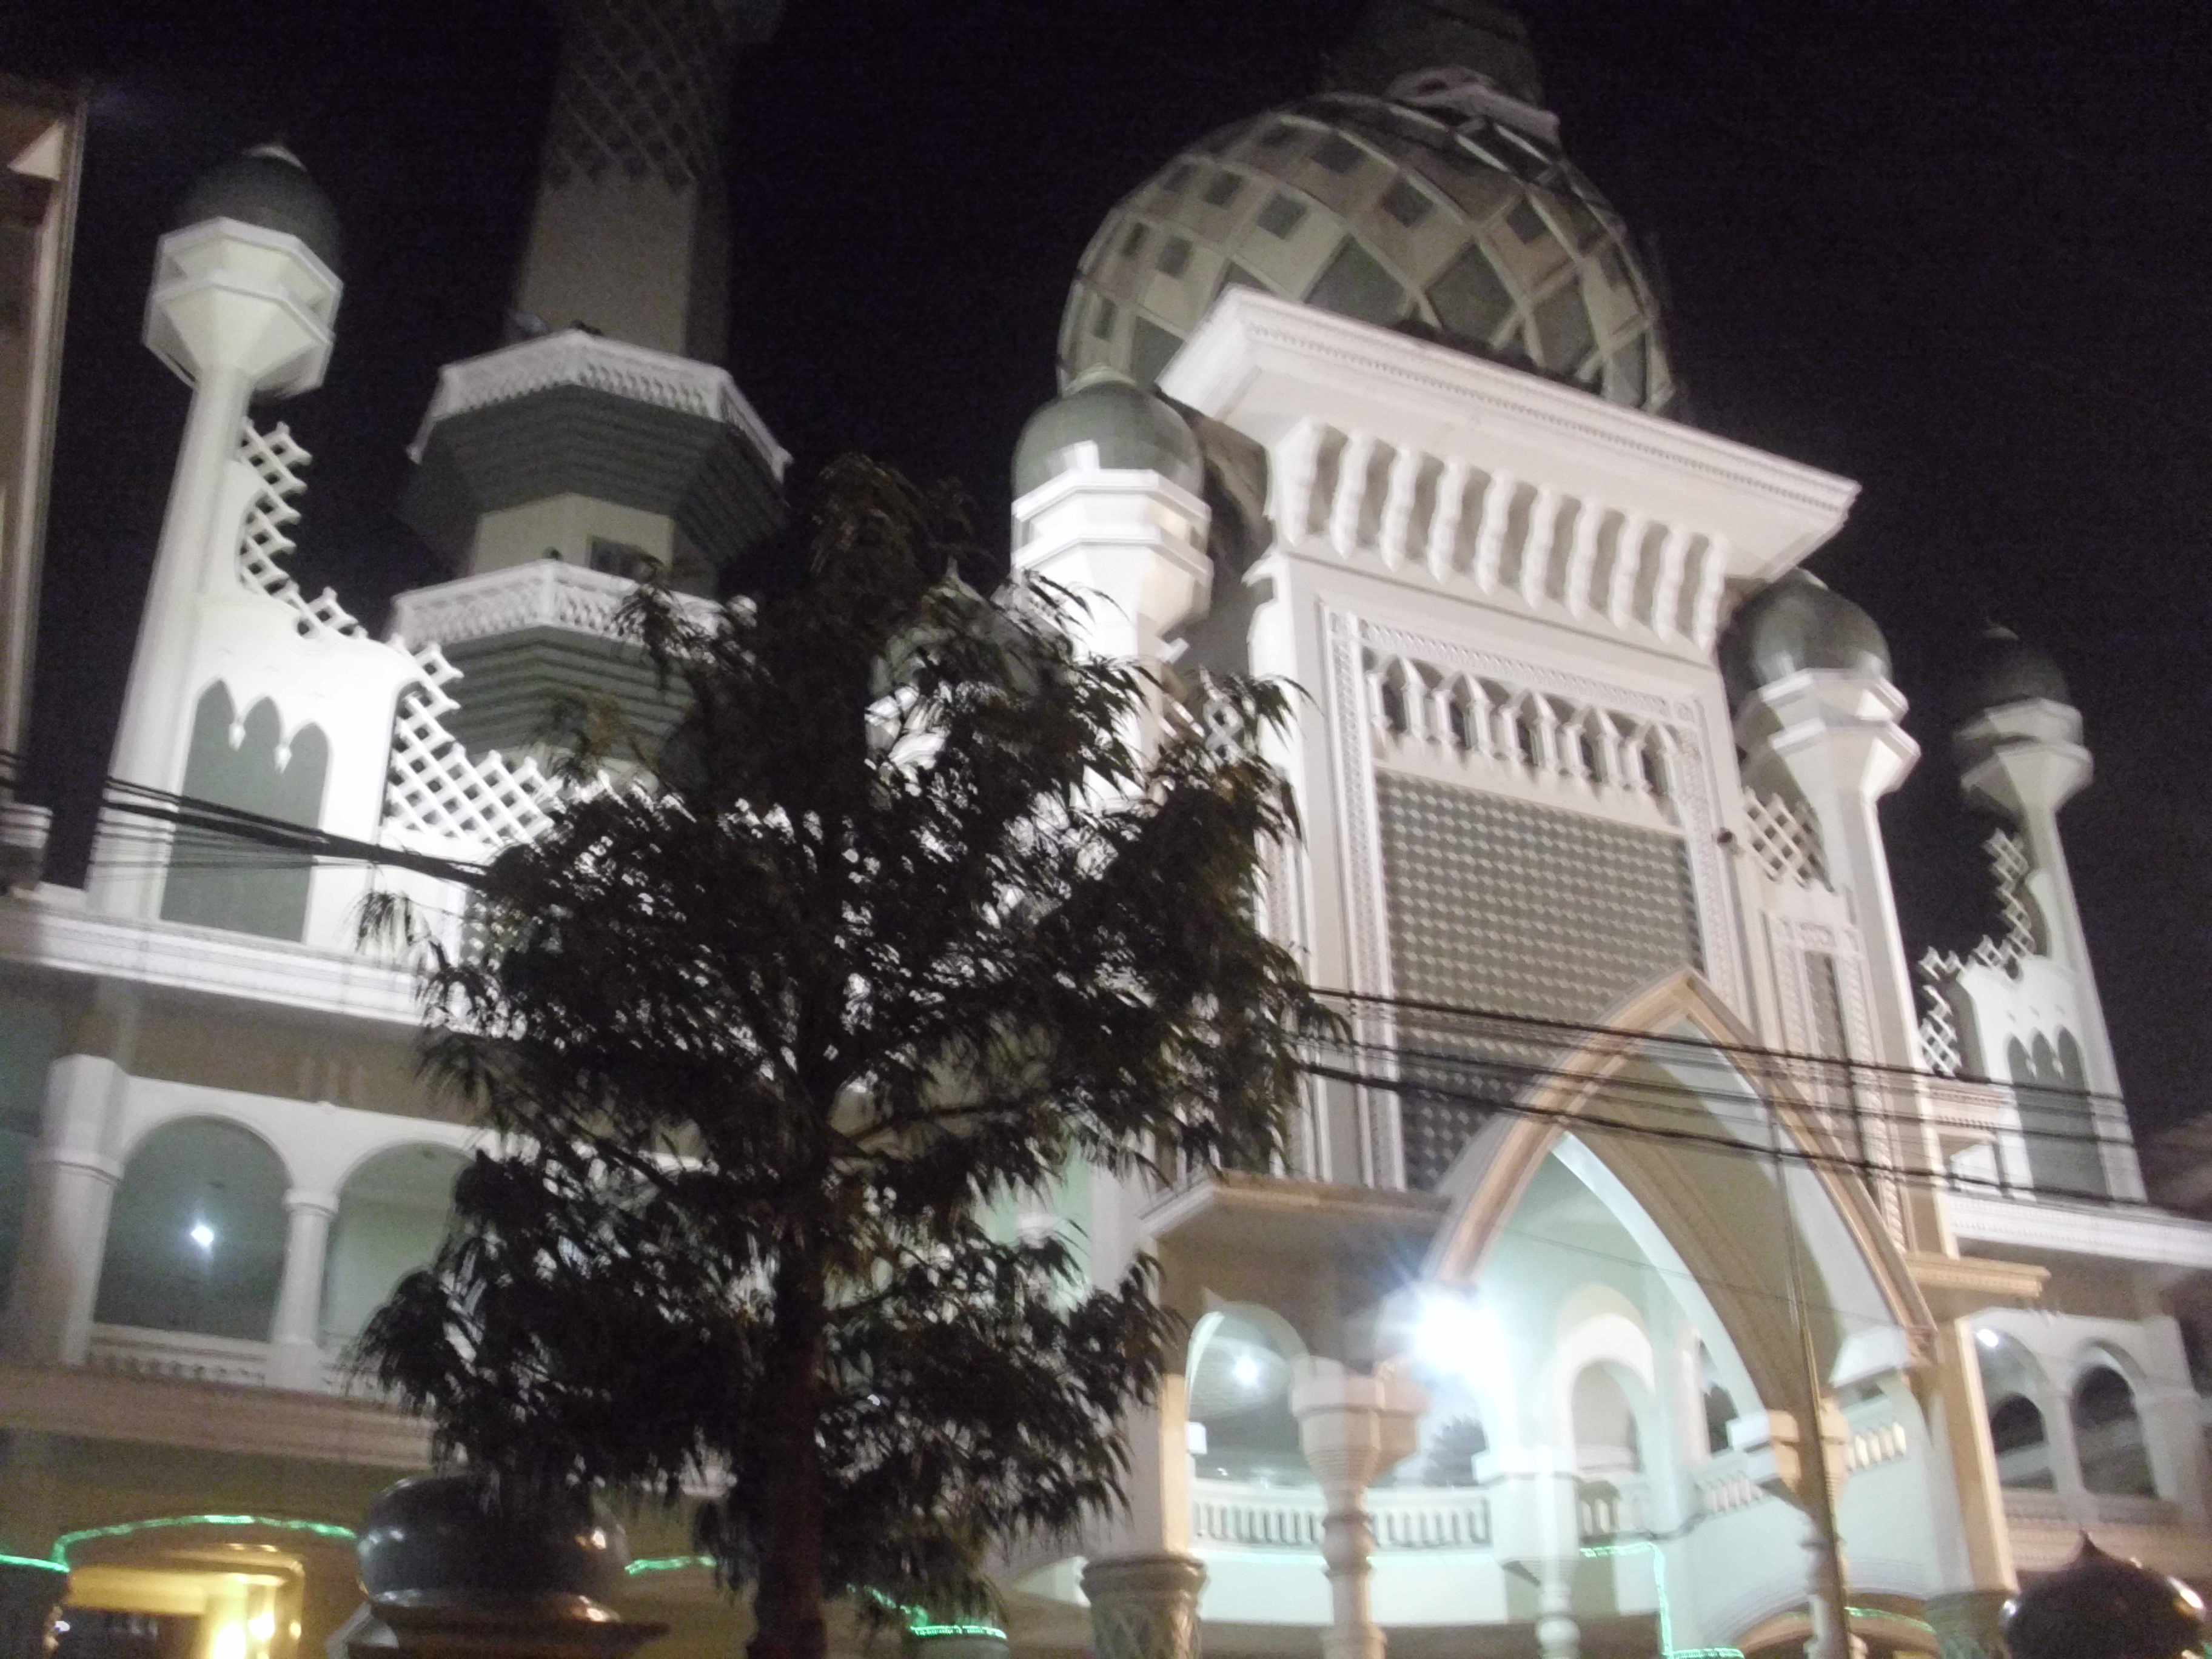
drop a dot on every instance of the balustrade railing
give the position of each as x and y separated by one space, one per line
178 1356
545 594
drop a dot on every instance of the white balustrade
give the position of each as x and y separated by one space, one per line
574 358
1230 1515
545 594
178 1356
1506 537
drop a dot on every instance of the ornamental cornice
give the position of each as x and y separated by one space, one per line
574 358
1260 321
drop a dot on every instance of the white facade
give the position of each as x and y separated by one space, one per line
1649 1228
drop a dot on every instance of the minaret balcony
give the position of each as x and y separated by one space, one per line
531 636
576 416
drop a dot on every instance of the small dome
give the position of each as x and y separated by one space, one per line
268 187
2097 1607
1106 421
1795 622
2004 668
434 1541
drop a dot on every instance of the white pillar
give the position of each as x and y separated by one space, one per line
295 1352
72 1185
1352 1429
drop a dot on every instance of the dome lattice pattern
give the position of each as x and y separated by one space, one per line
1467 227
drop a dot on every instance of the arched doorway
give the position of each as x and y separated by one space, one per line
2108 1434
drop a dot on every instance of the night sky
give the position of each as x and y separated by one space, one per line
1954 251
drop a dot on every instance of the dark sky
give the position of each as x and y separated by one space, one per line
1957 252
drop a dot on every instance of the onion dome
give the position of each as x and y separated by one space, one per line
2004 668
1105 421
443 1540
2097 1607
267 187
1428 193
1797 622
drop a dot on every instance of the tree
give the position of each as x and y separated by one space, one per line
916 918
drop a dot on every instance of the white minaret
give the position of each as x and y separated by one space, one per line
245 291
1818 719
1106 504
2021 754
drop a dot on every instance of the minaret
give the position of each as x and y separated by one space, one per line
1818 719
2021 754
245 292
1106 503
608 443
631 233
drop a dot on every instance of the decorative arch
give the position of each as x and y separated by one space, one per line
393 1208
250 762
1717 1205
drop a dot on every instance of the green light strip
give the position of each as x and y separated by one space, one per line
69 1540
923 1631
1886 1612
668 1564
29 1561
1667 1648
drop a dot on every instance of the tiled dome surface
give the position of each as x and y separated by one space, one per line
1472 230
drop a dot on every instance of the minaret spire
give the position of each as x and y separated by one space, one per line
630 236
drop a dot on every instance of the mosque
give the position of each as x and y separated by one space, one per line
1685 1273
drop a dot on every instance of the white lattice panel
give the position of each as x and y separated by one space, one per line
277 458
437 789
1784 839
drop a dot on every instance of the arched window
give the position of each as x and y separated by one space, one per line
219 880
1239 1397
2108 1436
391 1218
2055 1120
197 1233
1720 1412
2023 1447
1605 1443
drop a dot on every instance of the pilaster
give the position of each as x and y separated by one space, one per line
73 1181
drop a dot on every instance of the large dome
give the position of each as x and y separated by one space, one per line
1446 210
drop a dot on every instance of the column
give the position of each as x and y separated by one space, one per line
295 1353
72 1185
1145 1607
1352 1429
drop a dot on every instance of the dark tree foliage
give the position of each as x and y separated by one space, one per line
914 920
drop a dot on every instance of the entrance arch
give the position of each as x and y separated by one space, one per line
1655 1114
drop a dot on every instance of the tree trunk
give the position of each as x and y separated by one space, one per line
787 1621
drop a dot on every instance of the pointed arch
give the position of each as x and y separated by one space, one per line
1650 1126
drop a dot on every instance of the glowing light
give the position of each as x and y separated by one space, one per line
263 1624
1246 1370
1987 1337
229 1643
202 1234
668 1564
1452 1333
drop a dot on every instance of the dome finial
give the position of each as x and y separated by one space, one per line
1396 38
2002 668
